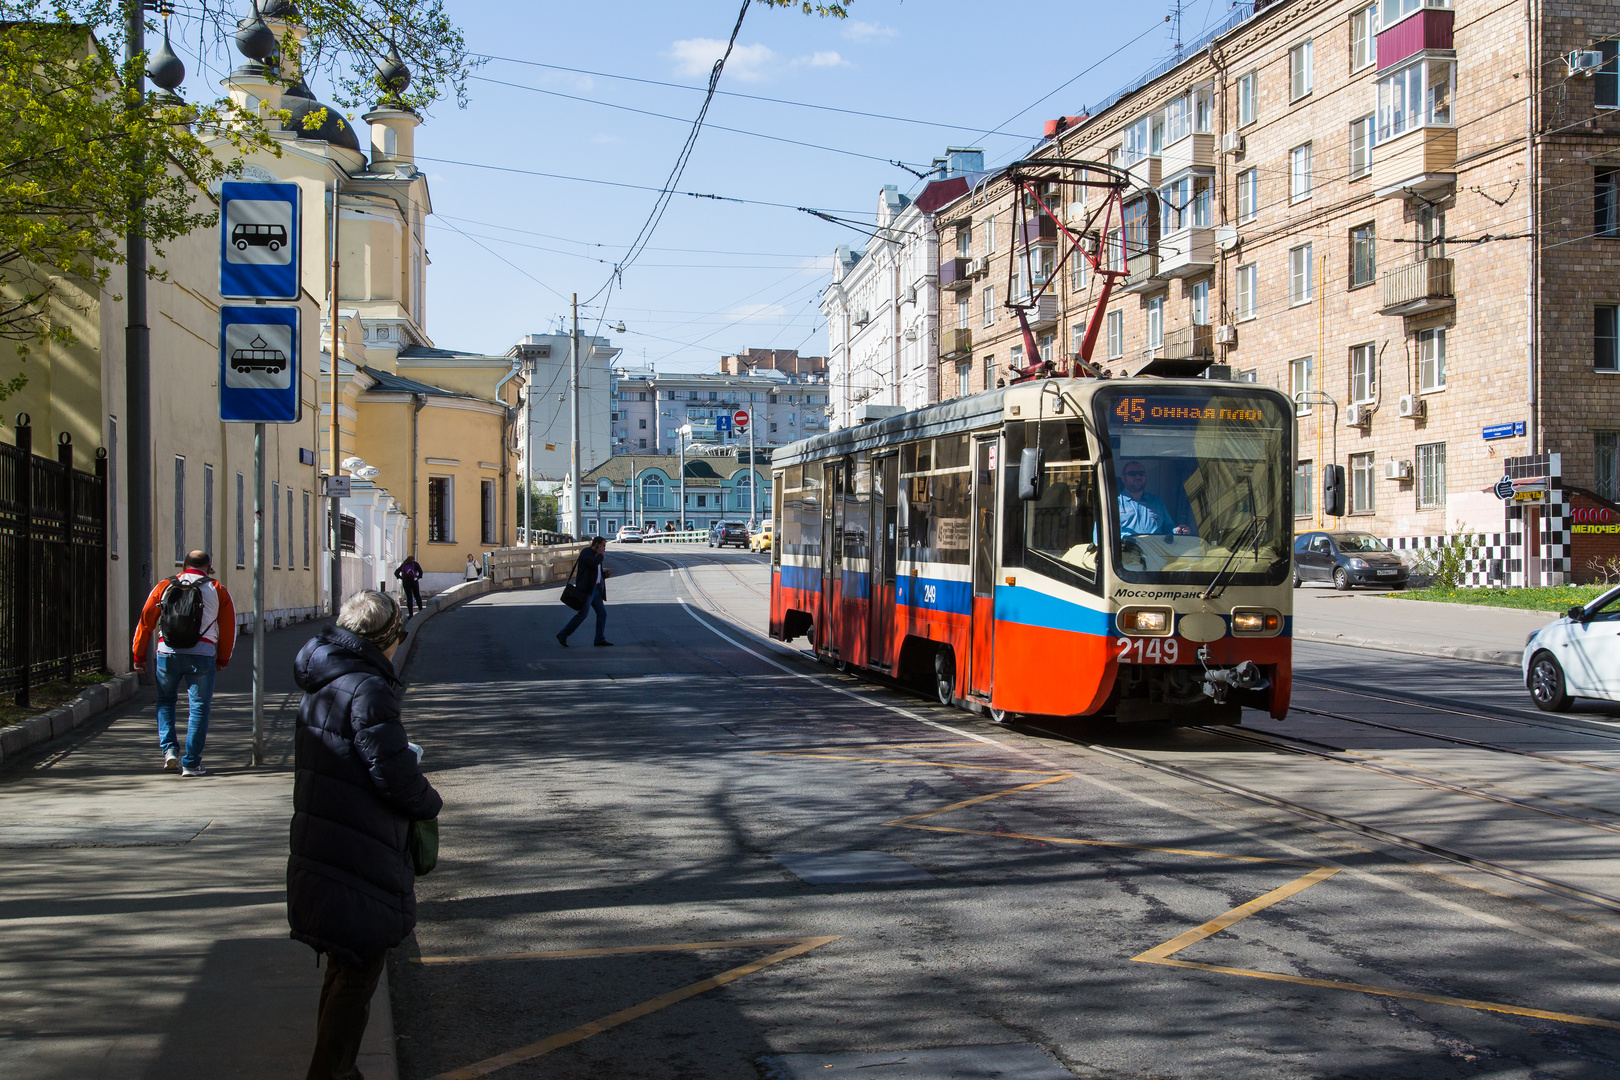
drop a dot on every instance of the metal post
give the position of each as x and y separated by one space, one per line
680 525
23 596
258 594
753 473
64 457
334 427
529 373
573 409
137 344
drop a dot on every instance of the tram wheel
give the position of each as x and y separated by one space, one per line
1002 716
945 677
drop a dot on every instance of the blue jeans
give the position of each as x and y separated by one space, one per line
198 672
579 616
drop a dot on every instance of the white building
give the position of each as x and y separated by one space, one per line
550 420
883 307
651 407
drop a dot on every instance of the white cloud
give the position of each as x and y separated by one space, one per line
694 59
604 139
822 59
865 31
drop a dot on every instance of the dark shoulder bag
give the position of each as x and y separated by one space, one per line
423 843
572 595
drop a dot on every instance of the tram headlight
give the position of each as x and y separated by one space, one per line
1256 622
1145 621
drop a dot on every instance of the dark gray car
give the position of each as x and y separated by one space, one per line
1346 559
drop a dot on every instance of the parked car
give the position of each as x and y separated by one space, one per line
1346 559
763 539
1577 655
728 532
630 535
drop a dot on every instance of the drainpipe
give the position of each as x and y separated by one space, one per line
506 424
1533 77
419 402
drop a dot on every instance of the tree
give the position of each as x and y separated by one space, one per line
81 152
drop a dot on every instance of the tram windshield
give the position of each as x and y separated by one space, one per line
1198 478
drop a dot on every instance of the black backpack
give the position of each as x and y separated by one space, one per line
181 620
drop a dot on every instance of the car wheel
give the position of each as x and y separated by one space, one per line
1298 581
945 677
1546 683
1341 580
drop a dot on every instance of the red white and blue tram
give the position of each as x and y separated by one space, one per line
1060 547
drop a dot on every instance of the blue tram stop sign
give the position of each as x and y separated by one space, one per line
258 364
258 241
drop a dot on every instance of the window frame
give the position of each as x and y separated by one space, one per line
1198 302
1363 485
1363 38
1296 296
1248 98
1363 237
1301 70
1431 368
1610 314
1429 482
1606 475
1248 193
1115 323
1247 286
1606 203
1300 181
1304 488
1295 387
1363 145
1155 322
1363 373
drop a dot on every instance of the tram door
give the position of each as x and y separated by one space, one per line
885 528
832 559
981 629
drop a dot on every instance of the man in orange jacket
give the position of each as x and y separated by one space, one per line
194 621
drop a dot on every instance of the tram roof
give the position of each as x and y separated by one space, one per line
947 418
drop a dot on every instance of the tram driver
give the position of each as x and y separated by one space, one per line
1142 513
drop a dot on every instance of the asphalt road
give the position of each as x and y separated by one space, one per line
697 854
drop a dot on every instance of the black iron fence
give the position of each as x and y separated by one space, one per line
53 565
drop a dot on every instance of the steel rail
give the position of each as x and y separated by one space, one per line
1458 739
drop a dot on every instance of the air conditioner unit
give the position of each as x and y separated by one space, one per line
1232 143
1226 335
981 265
911 335
1412 406
1357 416
862 318
911 294
1397 470
1584 62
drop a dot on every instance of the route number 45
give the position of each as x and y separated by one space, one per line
929 594
1147 650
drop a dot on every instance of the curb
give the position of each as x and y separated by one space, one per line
1499 657
16 739
443 601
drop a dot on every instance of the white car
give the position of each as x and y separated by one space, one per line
1576 656
629 535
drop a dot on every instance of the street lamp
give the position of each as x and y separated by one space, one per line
685 433
1317 397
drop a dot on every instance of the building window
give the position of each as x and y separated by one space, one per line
1605 335
1417 95
964 242
990 234
1606 465
275 526
1301 71
1300 385
1361 483
1363 374
1248 194
1116 334
642 396
292 548
1200 303
989 298
1301 275
1364 38
179 510
1605 206
1251 375
1431 476
962 313
1204 109
703 500
441 510
1155 323
1046 347
1363 256
1077 272
989 372
1248 279
241 523
1431 360
1116 250
1304 482
1361 145
306 530
1393 11
641 444
964 376
488 507
714 395
1248 98
1299 173
208 510
773 425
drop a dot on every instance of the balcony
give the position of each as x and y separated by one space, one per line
1143 274
1146 172
1421 161
1186 352
955 343
1418 287
954 275
1186 252
1042 313
1195 153
1037 229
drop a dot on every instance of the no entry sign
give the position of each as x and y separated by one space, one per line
740 418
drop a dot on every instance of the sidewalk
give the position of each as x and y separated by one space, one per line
144 916
1459 631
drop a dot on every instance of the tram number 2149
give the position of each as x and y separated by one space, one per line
1147 650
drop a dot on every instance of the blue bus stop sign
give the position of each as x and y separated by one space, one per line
258 364
258 241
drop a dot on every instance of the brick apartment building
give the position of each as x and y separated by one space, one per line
1339 198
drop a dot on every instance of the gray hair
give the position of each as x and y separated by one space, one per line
373 615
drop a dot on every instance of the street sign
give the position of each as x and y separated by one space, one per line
722 423
1504 488
1503 431
740 418
258 365
258 241
338 487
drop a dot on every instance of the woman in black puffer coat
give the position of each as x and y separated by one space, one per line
357 787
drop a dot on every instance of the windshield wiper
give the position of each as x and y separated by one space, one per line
1215 587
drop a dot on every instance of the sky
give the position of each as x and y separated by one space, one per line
508 248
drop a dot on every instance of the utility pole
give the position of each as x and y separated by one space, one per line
258 594
753 473
680 526
137 344
573 396
530 366
334 428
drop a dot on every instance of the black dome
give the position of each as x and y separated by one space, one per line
164 68
299 100
280 9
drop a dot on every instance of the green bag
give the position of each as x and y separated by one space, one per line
423 844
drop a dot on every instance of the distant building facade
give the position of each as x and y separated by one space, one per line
647 492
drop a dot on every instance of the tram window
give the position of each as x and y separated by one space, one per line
1060 529
951 452
858 510
778 495
801 512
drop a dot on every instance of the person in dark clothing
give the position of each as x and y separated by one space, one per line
591 576
410 576
351 891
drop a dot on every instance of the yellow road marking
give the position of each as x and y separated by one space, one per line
909 818
1237 914
624 1016
618 950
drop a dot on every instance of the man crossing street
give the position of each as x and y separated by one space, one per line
194 621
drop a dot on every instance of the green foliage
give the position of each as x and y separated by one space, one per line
1546 598
1445 566
834 11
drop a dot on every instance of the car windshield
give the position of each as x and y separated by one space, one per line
1358 542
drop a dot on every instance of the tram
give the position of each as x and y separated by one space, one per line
1059 547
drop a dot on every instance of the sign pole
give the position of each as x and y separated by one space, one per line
334 431
258 594
753 476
